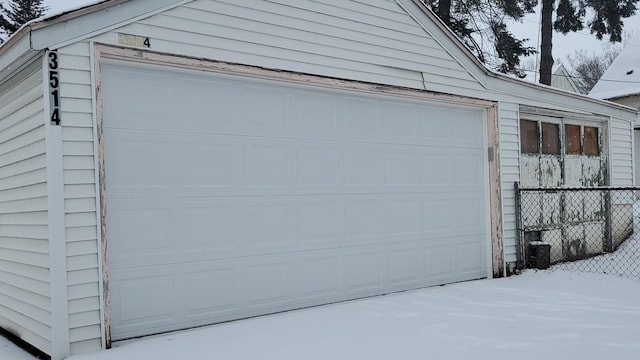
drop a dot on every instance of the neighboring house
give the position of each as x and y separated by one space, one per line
621 84
166 164
562 79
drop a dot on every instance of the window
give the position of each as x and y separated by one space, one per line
591 145
539 137
572 134
582 140
529 137
550 139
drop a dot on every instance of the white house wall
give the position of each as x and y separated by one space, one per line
25 291
80 198
373 41
315 37
621 150
509 172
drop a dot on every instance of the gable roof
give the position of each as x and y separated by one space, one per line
66 28
562 79
622 78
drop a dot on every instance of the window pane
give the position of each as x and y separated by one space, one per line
528 136
591 146
550 139
573 139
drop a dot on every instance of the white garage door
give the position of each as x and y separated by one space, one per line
230 197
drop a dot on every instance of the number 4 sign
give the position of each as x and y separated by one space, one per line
54 87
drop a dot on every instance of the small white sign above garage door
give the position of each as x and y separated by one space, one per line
229 197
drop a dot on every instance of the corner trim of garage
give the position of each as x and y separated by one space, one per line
497 246
102 198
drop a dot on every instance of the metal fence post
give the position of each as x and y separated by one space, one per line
608 214
520 263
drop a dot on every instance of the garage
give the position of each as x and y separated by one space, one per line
168 164
230 196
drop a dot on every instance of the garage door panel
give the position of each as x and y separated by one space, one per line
247 197
223 165
463 131
202 302
400 169
268 224
208 165
469 261
319 221
404 267
440 261
323 276
468 210
364 272
206 100
130 296
467 166
271 109
400 123
315 115
269 283
130 246
401 218
149 87
146 155
437 215
194 229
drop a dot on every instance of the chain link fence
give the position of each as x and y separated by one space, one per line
584 229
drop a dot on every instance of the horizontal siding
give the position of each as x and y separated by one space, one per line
373 41
621 149
25 303
80 199
508 124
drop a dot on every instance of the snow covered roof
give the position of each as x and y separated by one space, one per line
622 78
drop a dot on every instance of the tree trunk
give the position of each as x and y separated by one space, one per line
444 11
546 56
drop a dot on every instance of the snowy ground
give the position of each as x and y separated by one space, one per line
625 261
554 314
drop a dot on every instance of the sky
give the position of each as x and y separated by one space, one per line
564 45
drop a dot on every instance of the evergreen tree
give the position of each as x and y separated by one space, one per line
607 19
481 25
18 12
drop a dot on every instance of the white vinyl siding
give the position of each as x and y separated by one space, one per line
80 198
510 173
25 304
373 41
621 150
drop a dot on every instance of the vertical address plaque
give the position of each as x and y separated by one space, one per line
54 88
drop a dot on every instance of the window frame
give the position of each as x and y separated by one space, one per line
562 122
582 124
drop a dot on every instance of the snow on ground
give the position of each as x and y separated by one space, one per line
538 315
625 261
8 351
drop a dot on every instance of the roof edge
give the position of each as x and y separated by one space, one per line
496 75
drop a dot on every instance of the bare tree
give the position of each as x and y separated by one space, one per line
607 19
588 69
481 25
